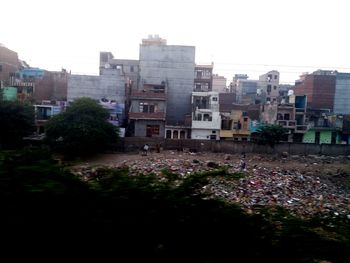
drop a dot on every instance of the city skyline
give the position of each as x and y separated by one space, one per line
242 37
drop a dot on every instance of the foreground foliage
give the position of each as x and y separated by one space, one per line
141 219
17 121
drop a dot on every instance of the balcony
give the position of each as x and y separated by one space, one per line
231 133
152 95
147 115
286 123
301 128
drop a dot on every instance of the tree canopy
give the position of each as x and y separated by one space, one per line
17 121
82 129
270 134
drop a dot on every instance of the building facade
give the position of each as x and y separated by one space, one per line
206 119
173 65
9 65
269 86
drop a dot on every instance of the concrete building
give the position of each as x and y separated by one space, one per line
9 65
203 78
219 84
147 111
246 91
43 112
290 114
235 126
269 86
323 127
319 87
206 119
109 87
52 85
342 94
173 65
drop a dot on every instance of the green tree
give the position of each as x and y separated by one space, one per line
82 129
17 121
270 134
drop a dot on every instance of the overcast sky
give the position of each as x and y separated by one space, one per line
245 36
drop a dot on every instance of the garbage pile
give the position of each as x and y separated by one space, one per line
302 193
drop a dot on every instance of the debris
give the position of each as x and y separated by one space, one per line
302 190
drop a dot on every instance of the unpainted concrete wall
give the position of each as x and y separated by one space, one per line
234 147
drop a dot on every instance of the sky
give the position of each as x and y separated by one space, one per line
241 37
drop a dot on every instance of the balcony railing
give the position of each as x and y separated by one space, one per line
286 123
147 115
147 95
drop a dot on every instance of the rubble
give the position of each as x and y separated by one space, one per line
300 188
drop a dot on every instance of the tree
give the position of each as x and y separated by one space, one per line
81 130
17 121
270 134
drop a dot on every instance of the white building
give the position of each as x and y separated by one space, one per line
206 120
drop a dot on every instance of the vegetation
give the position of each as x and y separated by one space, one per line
139 218
270 134
81 130
17 121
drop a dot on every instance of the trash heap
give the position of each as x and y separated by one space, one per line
302 195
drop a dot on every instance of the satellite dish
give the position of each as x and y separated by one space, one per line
107 65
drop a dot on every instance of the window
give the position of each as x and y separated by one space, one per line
274 87
199 74
198 86
147 107
269 77
168 134
152 130
131 68
275 76
213 132
245 119
286 116
268 99
244 139
206 117
215 99
268 88
199 117
0 68
175 135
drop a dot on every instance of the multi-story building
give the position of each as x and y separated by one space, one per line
342 94
235 126
107 88
319 87
219 84
326 90
323 127
9 65
173 65
203 78
147 113
290 114
269 86
206 119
